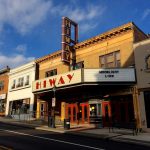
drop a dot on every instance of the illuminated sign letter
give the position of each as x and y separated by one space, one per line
70 77
52 82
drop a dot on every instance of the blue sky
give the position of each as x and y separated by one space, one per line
30 29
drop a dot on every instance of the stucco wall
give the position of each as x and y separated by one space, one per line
142 50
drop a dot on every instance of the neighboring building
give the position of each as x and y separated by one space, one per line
20 98
142 63
3 89
99 85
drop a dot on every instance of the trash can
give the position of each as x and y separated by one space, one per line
50 121
67 124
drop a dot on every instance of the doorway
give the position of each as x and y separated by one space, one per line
43 110
106 112
147 107
78 113
71 112
84 113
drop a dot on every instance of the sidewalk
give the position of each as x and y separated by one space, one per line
118 135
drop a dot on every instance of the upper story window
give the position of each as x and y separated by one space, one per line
51 73
13 84
27 80
78 65
20 82
1 85
110 60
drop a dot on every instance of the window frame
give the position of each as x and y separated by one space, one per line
108 60
1 85
51 73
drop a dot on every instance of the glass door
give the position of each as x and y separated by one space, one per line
71 112
84 113
43 110
106 113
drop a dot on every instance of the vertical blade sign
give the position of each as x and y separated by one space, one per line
67 41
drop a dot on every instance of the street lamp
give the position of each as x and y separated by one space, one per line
53 107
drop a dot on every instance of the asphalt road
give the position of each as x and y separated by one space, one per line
19 138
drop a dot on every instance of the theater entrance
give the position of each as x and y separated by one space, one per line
78 113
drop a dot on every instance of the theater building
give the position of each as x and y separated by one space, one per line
97 84
20 99
142 63
3 89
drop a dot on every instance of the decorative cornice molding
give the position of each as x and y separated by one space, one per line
107 35
48 57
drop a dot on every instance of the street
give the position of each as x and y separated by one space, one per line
19 138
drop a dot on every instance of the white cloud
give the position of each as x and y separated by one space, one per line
85 27
14 60
146 14
85 16
23 15
21 48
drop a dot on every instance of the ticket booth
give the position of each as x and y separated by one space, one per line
96 112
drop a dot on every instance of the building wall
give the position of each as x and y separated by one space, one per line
4 90
124 43
142 110
120 38
21 92
139 35
142 50
51 64
4 77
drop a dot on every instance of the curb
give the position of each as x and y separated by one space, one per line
18 124
131 141
95 136
49 129
108 138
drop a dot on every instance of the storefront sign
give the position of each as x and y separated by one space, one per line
2 96
72 77
109 75
67 39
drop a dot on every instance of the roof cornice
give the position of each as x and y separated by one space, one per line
106 35
48 57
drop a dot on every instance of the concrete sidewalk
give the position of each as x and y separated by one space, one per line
118 135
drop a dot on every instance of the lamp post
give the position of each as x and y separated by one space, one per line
53 107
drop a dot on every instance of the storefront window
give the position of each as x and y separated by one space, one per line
93 110
99 110
19 107
2 106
